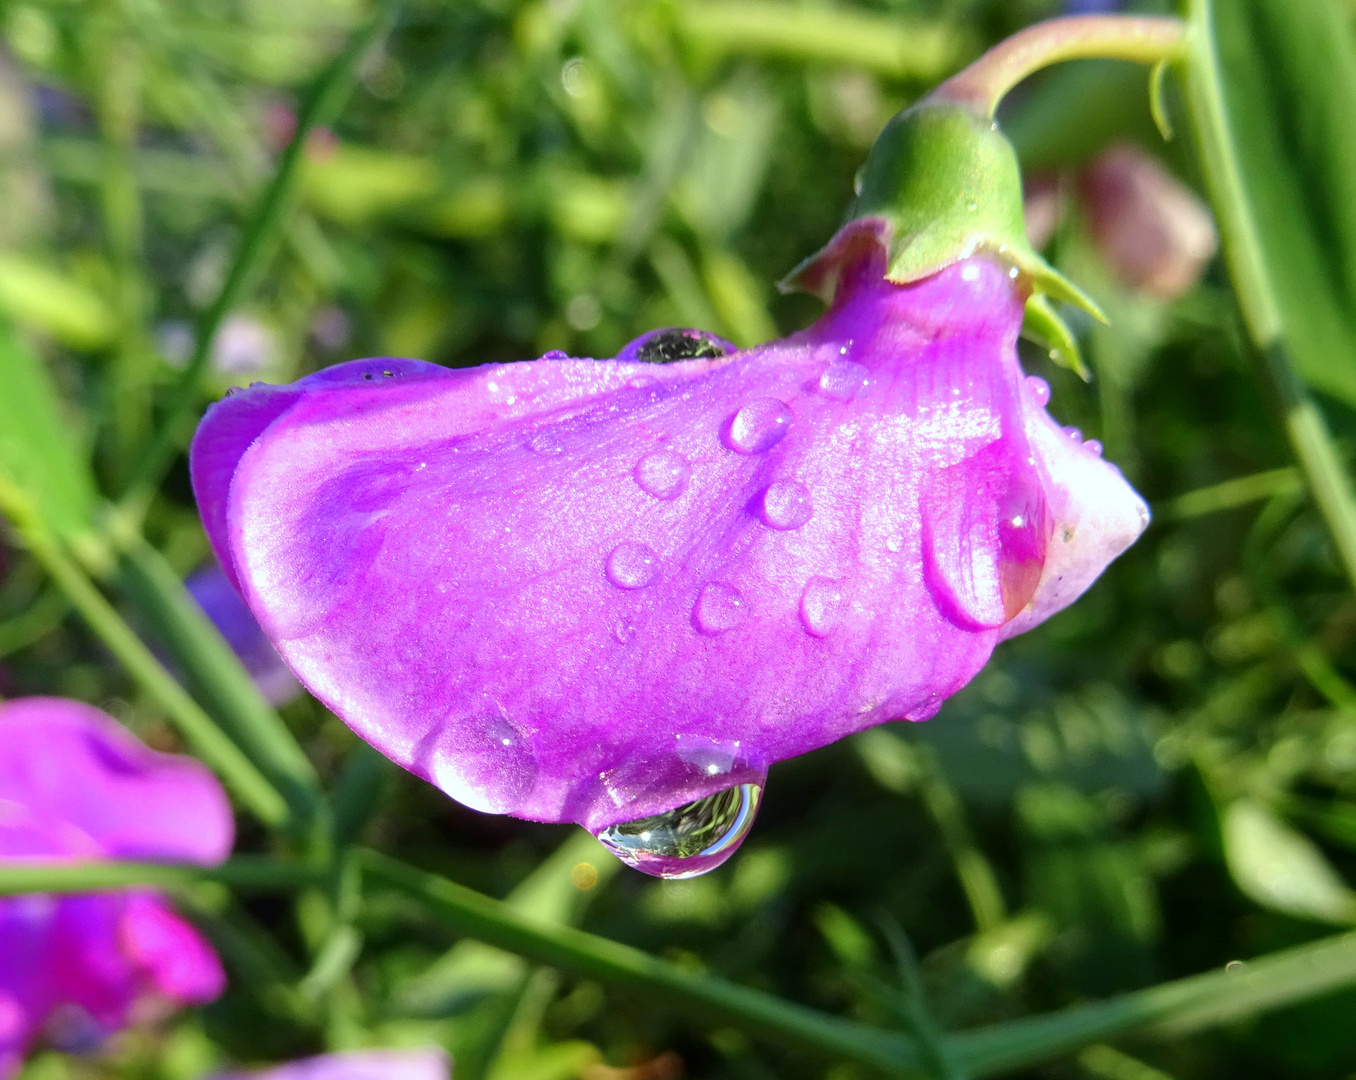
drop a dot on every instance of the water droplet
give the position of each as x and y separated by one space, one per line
555 354
821 606
663 474
623 632
1094 447
759 426
687 840
1074 434
1013 272
970 272
484 762
632 565
894 543
677 343
786 504
1039 390
546 442
720 607
842 380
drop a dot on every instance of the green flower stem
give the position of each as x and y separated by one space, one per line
240 872
1167 1011
208 741
1230 494
981 86
1304 424
322 104
221 678
494 922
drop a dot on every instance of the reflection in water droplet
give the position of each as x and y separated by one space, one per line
894 543
759 426
546 442
786 504
720 607
821 606
688 840
1094 447
1039 390
555 354
632 565
842 380
484 762
663 474
1074 434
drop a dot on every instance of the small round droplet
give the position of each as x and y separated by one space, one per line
663 474
786 505
688 840
1093 447
546 442
894 543
1073 434
632 565
484 762
1039 390
759 426
674 344
821 606
842 380
555 354
720 607
623 632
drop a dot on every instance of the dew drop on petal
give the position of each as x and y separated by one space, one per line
821 606
842 380
632 565
759 426
720 607
786 505
1094 447
663 474
1074 434
546 442
1039 390
623 632
687 840
555 354
484 762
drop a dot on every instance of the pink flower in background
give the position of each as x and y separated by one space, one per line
76 786
601 590
424 1063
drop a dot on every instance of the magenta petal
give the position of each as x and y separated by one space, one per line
593 590
424 1063
173 957
69 763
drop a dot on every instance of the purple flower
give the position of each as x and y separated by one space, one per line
75 786
598 590
425 1063
233 619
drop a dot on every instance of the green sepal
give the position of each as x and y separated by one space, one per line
1042 324
940 184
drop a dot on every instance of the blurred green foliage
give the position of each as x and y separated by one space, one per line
1160 780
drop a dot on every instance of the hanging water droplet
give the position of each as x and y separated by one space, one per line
786 504
1039 390
688 840
842 380
546 442
719 607
821 606
1074 434
632 565
484 762
1094 447
759 426
663 474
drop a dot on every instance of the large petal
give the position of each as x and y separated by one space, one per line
69 764
422 1063
591 590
